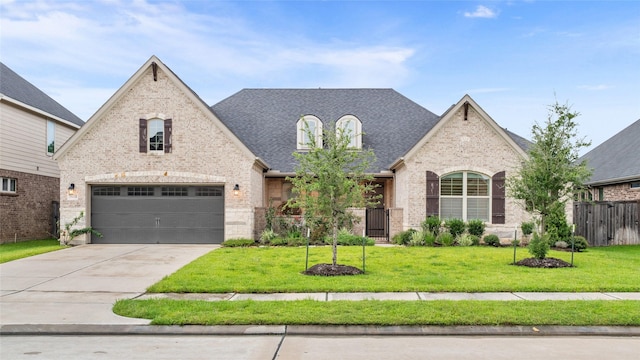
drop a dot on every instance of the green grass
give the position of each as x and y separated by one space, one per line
23 249
461 269
383 313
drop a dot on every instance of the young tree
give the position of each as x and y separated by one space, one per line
331 178
551 174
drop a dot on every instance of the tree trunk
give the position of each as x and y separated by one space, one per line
335 243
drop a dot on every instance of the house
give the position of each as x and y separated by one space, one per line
616 166
32 128
156 164
609 213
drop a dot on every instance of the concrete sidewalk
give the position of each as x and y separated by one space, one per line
400 296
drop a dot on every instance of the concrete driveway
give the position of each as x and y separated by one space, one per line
79 285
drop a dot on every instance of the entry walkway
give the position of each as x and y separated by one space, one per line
402 296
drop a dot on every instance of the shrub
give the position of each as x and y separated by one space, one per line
556 225
278 241
429 239
445 239
491 240
455 226
345 238
580 243
238 243
476 227
296 241
561 244
403 237
539 246
432 224
417 239
527 228
465 240
267 235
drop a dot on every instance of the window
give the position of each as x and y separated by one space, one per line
309 125
350 125
174 191
208 191
51 137
465 195
635 185
106 191
8 185
140 191
155 135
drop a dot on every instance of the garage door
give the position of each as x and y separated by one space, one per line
157 214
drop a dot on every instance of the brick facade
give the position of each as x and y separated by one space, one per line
203 152
621 192
27 215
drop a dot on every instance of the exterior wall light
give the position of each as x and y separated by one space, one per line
72 189
236 190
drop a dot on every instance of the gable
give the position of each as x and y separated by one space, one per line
154 91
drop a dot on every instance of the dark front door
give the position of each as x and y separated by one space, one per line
157 214
376 218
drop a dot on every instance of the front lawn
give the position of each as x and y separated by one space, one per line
23 249
395 269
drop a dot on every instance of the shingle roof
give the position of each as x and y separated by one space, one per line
265 120
617 158
17 88
519 140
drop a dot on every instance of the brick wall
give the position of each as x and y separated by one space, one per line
27 214
203 153
621 192
457 145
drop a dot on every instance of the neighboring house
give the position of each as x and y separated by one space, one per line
32 127
616 167
155 164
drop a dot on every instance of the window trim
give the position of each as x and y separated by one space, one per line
357 135
301 132
9 181
51 137
465 194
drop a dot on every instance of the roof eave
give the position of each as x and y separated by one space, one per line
8 99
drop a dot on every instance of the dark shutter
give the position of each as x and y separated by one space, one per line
143 135
433 194
498 198
167 136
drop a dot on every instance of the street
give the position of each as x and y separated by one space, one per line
317 347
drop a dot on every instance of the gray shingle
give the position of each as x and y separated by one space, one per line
265 120
616 158
15 87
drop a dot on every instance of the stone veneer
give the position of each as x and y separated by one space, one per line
621 192
27 215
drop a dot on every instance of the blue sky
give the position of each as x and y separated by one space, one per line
513 57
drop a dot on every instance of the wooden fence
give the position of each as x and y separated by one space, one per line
605 223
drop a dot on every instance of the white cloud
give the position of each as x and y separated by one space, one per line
481 12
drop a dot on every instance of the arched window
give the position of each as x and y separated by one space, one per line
465 195
307 126
352 127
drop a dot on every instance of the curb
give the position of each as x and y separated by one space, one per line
317 330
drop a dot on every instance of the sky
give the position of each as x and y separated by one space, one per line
514 58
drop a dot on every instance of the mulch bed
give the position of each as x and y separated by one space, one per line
543 263
330 270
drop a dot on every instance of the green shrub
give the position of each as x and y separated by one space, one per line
445 239
455 226
266 236
417 239
527 228
238 243
476 227
403 237
278 241
491 240
561 245
429 239
345 238
296 241
539 246
556 225
432 224
465 240
581 243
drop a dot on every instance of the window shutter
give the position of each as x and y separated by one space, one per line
433 194
167 135
143 135
498 198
